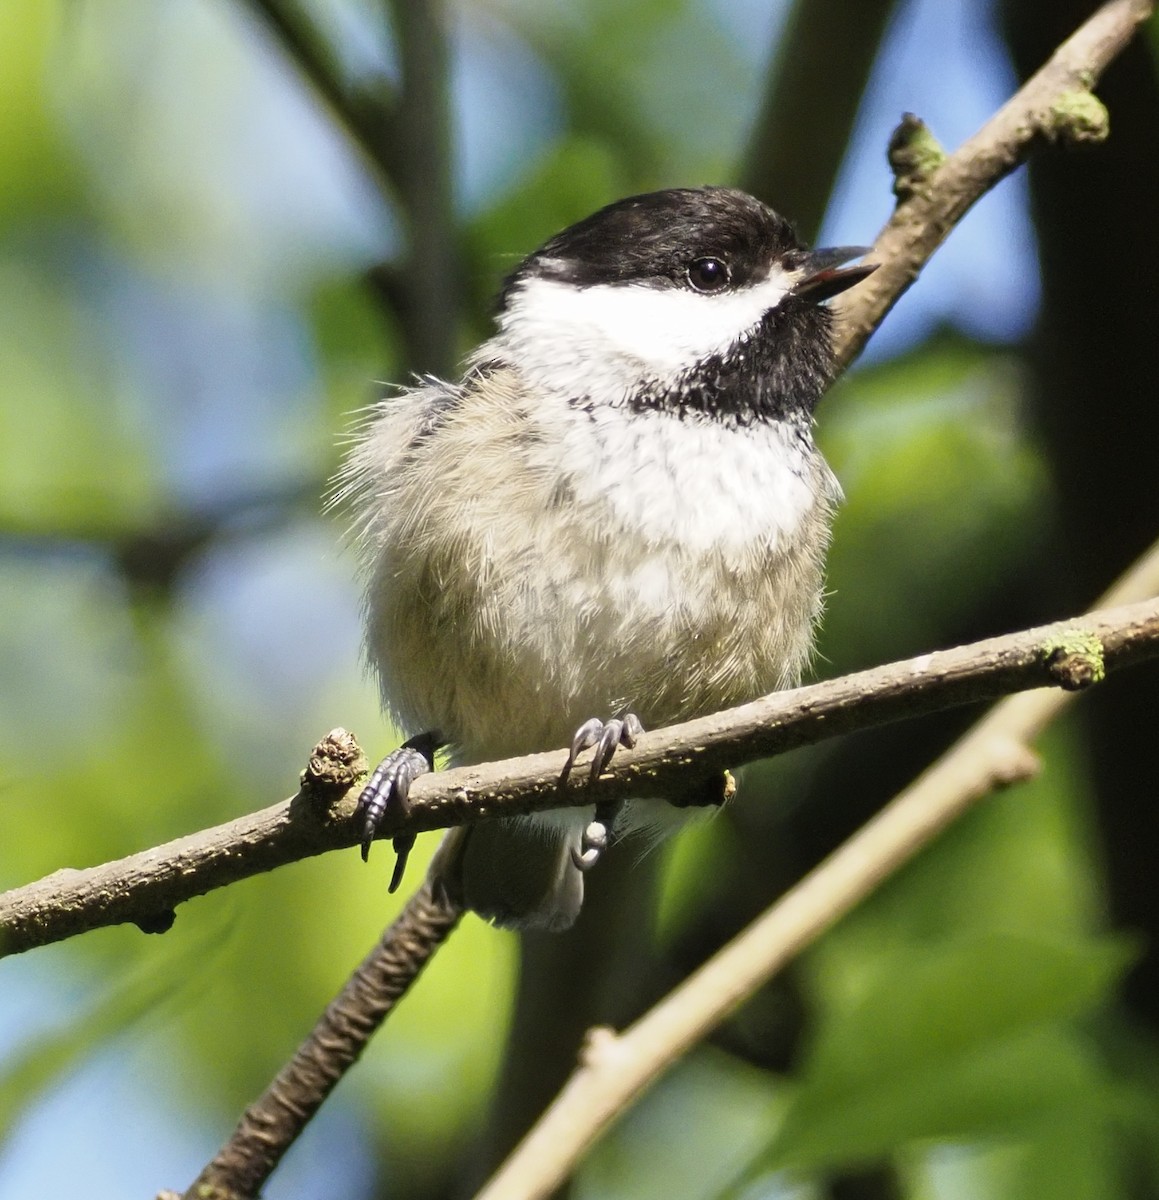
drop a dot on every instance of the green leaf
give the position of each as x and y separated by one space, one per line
956 1040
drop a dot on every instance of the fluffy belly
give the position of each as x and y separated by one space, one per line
512 658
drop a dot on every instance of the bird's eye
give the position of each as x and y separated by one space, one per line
708 274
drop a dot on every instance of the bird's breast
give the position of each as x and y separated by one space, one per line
557 564
689 481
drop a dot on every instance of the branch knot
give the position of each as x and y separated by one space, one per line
1078 118
914 155
1074 661
336 763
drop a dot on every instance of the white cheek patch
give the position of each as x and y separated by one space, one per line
615 335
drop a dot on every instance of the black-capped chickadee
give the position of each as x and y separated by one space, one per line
617 518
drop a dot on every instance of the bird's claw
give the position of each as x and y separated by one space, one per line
606 736
388 790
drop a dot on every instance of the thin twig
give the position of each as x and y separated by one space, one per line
273 1122
1055 104
145 888
1075 657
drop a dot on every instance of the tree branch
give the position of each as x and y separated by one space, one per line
145 888
424 289
272 1123
405 133
363 111
615 1070
1055 104
151 555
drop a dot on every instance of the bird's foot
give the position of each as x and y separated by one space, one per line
596 835
388 790
606 736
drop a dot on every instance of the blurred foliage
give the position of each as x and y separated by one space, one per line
938 469
185 333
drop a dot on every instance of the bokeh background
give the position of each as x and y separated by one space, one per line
224 225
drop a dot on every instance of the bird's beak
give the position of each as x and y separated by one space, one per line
823 277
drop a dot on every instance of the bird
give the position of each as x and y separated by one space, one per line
616 519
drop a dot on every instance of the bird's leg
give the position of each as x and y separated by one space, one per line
388 788
606 736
